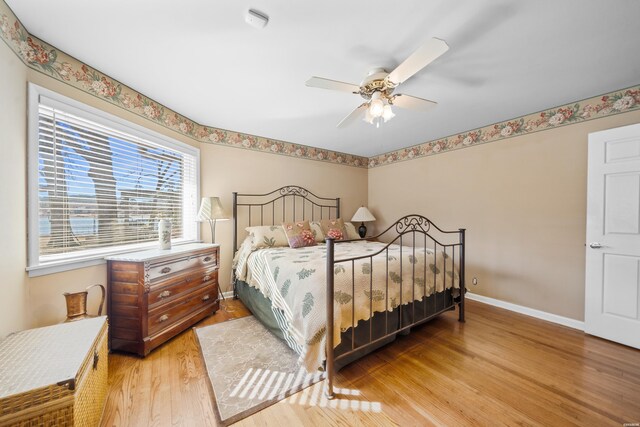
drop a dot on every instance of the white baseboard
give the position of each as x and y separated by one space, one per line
228 294
549 317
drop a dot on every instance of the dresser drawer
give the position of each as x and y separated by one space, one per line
165 315
168 268
165 292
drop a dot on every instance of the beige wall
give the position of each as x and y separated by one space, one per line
522 201
13 293
30 302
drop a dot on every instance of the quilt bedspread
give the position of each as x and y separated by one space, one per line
295 282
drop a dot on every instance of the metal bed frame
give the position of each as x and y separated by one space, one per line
418 230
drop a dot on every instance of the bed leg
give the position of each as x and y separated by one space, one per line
463 289
328 389
234 281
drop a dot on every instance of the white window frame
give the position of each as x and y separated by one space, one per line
34 266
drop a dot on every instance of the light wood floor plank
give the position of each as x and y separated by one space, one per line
567 375
499 368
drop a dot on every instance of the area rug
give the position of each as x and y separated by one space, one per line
248 367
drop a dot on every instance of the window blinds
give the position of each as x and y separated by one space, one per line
101 187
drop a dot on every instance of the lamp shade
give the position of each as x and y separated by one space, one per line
210 208
363 215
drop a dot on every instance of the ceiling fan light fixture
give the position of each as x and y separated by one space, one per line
376 106
387 113
376 109
368 117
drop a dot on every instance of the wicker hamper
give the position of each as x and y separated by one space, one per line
54 376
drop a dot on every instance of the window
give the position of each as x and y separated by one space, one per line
99 185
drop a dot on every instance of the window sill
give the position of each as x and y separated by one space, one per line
59 266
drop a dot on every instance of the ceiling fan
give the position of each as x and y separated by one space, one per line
378 87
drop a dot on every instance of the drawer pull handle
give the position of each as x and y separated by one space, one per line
163 318
165 294
206 298
165 270
207 259
206 278
96 359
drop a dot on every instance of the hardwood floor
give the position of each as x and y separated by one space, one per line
498 368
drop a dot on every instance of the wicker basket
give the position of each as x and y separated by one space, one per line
54 376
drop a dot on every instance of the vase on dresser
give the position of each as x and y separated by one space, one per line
164 233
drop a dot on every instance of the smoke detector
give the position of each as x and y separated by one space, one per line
256 19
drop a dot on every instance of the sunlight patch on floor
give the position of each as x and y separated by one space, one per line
265 383
344 399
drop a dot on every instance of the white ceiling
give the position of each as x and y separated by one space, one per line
507 58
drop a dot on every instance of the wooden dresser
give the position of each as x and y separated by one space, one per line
154 295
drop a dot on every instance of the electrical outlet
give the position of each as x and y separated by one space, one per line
474 281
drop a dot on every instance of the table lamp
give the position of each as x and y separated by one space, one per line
363 215
211 211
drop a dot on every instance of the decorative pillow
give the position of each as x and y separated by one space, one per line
352 233
299 234
334 228
267 236
316 229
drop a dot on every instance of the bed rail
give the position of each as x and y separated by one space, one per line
420 236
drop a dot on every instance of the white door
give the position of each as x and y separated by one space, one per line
612 305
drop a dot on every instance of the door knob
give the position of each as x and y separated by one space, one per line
595 245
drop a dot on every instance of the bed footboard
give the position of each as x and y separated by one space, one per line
426 253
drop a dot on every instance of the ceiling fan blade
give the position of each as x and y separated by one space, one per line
419 59
332 85
354 115
412 102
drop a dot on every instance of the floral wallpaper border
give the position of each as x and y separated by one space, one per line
42 57
597 107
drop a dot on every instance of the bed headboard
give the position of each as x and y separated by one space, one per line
289 203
